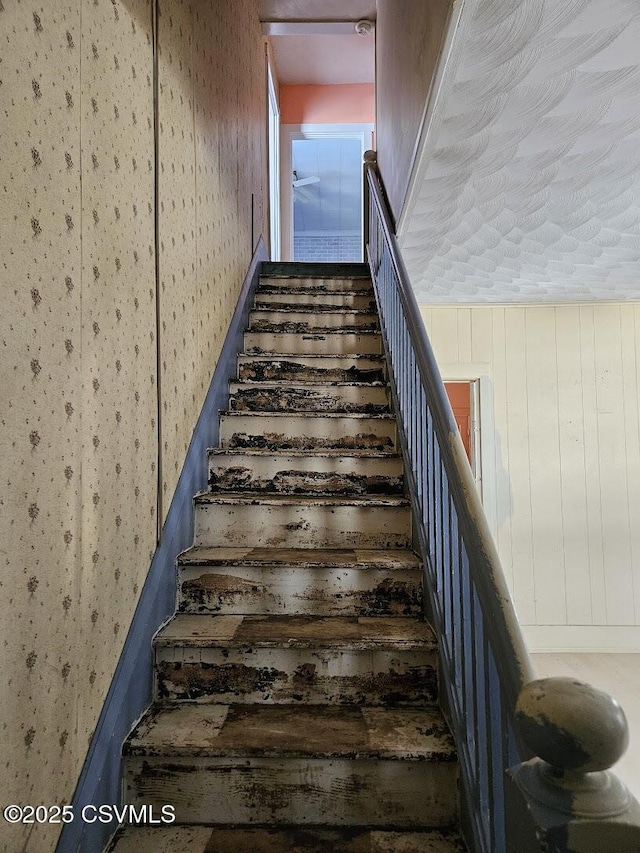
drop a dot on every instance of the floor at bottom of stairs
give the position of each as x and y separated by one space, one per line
294 839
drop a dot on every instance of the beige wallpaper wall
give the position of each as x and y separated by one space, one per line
409 39
78 385
212 159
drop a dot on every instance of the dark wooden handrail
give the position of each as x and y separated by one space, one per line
534 755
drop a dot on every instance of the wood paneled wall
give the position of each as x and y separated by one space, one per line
562 491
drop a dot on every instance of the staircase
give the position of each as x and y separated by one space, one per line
296 686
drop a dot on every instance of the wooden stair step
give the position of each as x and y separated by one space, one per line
306 471
318 342
287 839
308 430
304 521
304 632
294 764
301 299
342 397
310 368
312 731
303 582
293 659
322 583
365 559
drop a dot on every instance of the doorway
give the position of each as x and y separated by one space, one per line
327 199
321 183
464 399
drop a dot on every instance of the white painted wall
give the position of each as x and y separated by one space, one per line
562 439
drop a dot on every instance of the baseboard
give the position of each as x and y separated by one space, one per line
582 638
130 691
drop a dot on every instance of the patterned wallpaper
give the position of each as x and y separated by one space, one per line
212 160
78 425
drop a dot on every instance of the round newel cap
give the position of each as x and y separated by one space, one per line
571 725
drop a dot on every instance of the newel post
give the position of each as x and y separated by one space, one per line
370 159
567 800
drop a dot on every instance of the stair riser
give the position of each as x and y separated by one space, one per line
300 526
331 398
317 284
314 302
300 432
289 676
313 474
288 839
304 591
296 791
300 369
342 343
261 320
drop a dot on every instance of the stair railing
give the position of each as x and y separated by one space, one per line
514 735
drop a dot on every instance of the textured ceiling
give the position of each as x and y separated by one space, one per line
531 188
316 10
324 59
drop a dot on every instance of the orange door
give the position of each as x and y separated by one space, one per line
459 394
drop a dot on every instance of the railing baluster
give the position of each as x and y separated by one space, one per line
461 570
480 703
447 565
494 712
455 673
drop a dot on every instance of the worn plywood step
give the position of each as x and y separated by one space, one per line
312 369
290 396
302 522
286 839
300 764
311 284
289 581
306 472
333 342
289 659
322 322
304 431
301 299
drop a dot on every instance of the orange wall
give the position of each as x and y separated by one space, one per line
346 103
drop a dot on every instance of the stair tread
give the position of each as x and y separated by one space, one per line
302 356
334 632
310 308
316 269
337 309
284 839
313 330
270 499
304 385
309 290
387 416
292 557
293 731
330 454
290 275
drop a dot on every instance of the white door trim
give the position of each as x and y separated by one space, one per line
483 432
274 164
289 132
